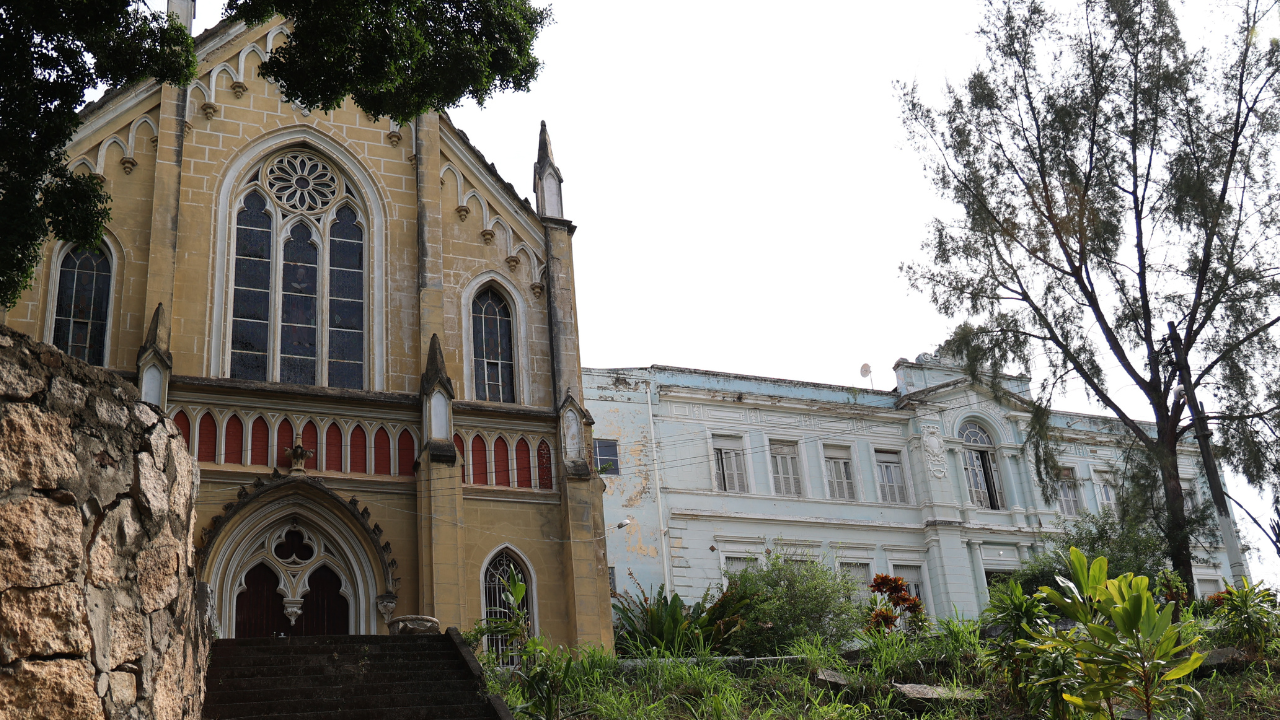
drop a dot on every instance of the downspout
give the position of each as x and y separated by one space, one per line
657 469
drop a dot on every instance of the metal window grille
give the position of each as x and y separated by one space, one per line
1206 587
860 574
607 457
893 489
738 564
731 470
786 469
499 569
839 466
914 578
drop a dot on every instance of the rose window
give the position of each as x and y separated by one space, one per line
302 182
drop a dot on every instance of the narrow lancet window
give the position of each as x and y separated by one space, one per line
298 309
251 308
491 335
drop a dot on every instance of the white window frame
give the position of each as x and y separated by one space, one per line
726 557
720 484
1104 481
902 475
927 597
1074 484
799 467
850 481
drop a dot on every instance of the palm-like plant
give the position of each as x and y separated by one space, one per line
1129 648
1250 615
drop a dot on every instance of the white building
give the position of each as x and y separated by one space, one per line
927 481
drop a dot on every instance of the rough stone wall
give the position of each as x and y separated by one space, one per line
98 610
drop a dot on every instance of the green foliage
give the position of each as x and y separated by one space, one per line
1020 617
399 58
1107 179
789 600
1130 542
544 679
1130 649
1250 615
657 622
53 52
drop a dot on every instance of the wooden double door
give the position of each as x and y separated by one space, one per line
260 608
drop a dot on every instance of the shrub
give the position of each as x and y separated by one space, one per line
1249 616
1020 617
667 624
788 600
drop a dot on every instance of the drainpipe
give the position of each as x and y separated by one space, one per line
662 515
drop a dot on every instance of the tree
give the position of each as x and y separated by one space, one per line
395 58
54 51
1109 181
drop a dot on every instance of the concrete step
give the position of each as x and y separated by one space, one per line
396 701
266 682
329 690
478 711
345 667
333 657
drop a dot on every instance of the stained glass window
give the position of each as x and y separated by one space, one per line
299 304
251 309
298 308
80 316
491 347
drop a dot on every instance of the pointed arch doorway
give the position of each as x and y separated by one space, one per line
293 559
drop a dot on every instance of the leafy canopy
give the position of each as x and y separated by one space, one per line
1108 181
52 52
395 58
399 58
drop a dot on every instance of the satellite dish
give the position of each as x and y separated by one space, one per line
866 369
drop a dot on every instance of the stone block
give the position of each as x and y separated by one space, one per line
158 566
123 687
414 625
152 488
61 689
17 383
39 543
35 448
42 621
128 636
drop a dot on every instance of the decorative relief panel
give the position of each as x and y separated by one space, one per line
935 450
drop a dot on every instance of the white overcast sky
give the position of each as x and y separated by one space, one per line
741 182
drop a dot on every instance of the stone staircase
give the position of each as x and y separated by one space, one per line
348 677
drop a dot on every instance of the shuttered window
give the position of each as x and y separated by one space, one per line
839 467
893 488
914 578
1069 493
731 466
785 458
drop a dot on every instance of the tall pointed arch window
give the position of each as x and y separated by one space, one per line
299 305
492 351
980 473
80 314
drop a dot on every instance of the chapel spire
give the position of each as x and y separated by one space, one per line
547 178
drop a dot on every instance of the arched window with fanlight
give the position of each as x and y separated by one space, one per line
492 349
81 310
299 305
980 470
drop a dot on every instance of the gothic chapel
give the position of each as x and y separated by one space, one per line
373 293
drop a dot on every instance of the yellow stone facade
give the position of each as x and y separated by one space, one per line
408 532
